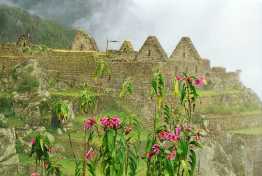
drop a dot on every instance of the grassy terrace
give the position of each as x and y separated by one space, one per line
249 131
77 125
210 93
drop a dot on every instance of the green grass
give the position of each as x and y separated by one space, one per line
210 93
68 168
15 122
66 93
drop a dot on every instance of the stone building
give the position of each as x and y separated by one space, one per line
151 51
127 47
84 42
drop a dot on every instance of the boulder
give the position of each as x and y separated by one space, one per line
9 160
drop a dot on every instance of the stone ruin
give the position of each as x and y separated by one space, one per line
126 47
84 42
151 51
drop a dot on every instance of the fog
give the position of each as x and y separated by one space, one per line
228 32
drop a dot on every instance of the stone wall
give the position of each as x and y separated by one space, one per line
74 68
79 66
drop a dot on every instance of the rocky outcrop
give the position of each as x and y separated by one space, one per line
232 154
8 158
30 94
215 161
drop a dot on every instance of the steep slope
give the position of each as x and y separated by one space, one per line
15 21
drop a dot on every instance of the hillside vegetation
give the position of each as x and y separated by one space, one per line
15 21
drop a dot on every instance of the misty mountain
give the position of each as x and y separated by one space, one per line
67 12
15 21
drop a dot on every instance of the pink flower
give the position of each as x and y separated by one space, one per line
114 122
178 78
35 174
149 155
105 121
200 82
178 130
169 136
156 149
171 155
89 154
33 141
89 123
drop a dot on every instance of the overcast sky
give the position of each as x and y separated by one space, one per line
228 32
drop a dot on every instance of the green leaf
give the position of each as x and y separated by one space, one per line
169 167
176 91
196 144
192 162
183 148
91 167
185 167
182 93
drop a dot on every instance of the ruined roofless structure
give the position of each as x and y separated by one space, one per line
78 67
84 42
69 69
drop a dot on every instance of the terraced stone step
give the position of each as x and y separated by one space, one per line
235 122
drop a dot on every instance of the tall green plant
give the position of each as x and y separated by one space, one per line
61 113
41 146
172 151
158 88
126 88
88 101
157 91
185 89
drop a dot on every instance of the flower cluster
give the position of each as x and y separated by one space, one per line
199 82
89 123
113 122
170 136
89 154
154 151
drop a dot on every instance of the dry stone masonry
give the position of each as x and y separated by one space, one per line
84 42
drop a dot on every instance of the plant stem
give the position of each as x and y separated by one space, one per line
84 161
71 146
